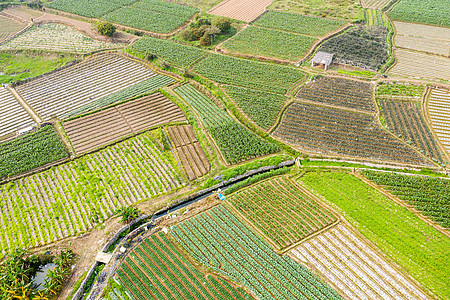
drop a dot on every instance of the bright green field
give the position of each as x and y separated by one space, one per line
421 250
21 65
270 43
433 12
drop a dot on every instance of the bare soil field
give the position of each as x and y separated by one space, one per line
374 4
9 27
244 10
191 153
424 38
421 65
439 111
354 268
102 128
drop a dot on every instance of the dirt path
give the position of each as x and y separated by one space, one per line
25 105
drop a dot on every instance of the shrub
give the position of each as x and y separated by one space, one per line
223 24
106 28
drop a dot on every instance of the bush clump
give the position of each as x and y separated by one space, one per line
106 28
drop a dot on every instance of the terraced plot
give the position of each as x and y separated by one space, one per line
421 65
155 269
244 10
8 27
12 115
68 89
439 111
102 128
329 131
405 119
266 206
56 37
191 153
424 38
353 268
339 92
74 197
223 243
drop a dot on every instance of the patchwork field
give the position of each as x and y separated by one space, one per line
57 37
74 197
328 131
155 269
192 156
223 243
90 80
8 27
353 268
439 112
246 10
433 12
102 128
12 114
424 38
234 141
266 206
421 65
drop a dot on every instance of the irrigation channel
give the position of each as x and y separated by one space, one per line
100 282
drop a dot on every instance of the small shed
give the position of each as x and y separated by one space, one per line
322 58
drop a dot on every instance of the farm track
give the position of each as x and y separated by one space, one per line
190 152
246 10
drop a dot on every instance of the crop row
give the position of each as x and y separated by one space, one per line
429 195
331 131
433 12
86 8
158 270
340 92
235 142
220 241
267 205
31 151
73 197
406 121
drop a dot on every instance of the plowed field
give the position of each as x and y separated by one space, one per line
244 10
191 153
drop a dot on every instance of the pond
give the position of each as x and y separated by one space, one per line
39 279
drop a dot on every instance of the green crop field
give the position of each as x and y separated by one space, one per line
418 248
433 12
30 151
86 8
267 205
399 89
297 23
245 73
429 195
261 107
235 142
171 52
270 43
220 241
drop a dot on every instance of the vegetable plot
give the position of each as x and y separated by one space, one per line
221 242
433 12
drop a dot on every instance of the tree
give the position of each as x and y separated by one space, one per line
128 214
223 24
106 28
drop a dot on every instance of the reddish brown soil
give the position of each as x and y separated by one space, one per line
244 10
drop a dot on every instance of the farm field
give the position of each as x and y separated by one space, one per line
171 52
417 247
104 127
429 195
56 37
424 38
405 120
12 114
86 8
433 12
72 198
155 269
234 141
270 43
262 107
266 206
346 93
8 27
399 90
353 267
329 131
90 80
220 241
421 65
246 10
374 4
363 47
250 74
30 151
296 23
439 112
192 156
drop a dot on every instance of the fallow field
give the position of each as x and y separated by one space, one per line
8 27
246 10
